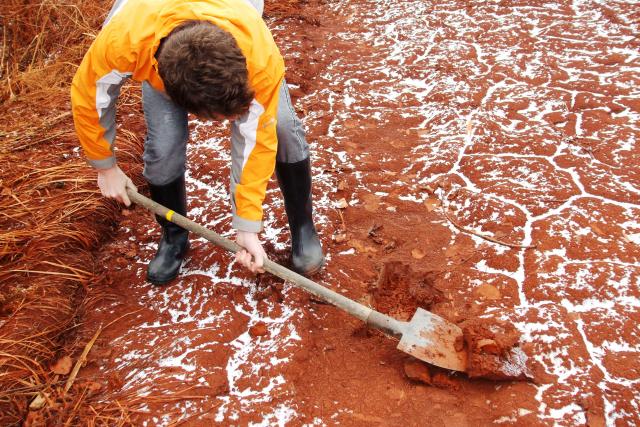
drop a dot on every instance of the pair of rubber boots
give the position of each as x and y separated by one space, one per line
295 184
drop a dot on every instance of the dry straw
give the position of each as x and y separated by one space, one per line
52 218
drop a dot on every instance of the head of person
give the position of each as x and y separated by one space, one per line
204 71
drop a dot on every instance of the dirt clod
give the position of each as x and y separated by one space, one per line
418 253
62 366
417 371
489 292
493 350
444 380
488 346
258 330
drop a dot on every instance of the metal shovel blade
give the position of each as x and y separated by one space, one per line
432 339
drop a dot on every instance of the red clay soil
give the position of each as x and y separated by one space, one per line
437 129
493 350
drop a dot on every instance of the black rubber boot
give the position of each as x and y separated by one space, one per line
175 240
295 184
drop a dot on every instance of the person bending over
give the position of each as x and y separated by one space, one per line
217 60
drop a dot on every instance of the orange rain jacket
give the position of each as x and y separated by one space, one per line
125 48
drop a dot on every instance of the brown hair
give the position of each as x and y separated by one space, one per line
204 70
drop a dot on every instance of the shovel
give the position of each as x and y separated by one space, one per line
426 336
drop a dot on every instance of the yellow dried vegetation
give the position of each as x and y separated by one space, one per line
52 218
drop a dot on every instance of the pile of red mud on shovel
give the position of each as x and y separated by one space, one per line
492 346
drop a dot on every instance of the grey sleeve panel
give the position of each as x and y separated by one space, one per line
107 92
237 149
246 225
108 114
104 163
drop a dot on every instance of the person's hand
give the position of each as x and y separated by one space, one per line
251 246
113 183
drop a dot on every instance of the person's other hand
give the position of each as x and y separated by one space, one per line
251 246
113 183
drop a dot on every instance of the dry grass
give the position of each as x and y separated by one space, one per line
41 41
52 218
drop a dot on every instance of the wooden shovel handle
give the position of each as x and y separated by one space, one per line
358 310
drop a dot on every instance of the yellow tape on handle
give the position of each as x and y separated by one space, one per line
169 215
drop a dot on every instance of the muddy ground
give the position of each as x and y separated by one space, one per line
444 126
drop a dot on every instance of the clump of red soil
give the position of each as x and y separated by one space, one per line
417 371
421 372
258 330
446 381
399 290
493 350
493 345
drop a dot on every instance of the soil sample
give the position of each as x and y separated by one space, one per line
493 350
493 345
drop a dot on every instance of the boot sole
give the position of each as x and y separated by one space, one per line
313 270
161 282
